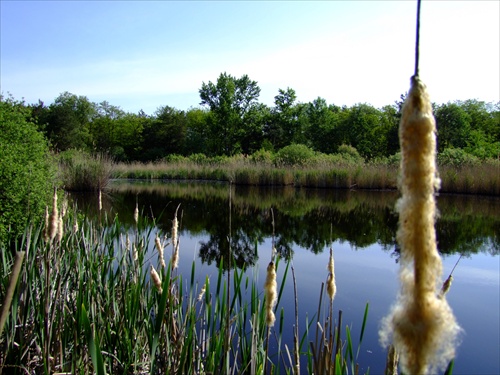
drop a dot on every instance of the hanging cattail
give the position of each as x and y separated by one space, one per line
331 287
270 290
156 279
159 247
422 324
446 285
136 214
54 218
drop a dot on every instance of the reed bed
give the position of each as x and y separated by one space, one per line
95 297
479 178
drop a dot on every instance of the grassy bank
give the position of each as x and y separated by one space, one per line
467 178
94 298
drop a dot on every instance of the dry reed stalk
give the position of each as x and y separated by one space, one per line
100 200
156 279
270 289
331 287
422 324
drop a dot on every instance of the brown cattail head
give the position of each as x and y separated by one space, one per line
270 290
422 324
159 247
60 229
100 200
54 218
446 285
136 214
156 279
135 253
331 287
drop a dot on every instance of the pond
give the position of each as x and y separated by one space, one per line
359 226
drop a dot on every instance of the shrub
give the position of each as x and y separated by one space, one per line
262 156
27 173
296 154
350 154
456 157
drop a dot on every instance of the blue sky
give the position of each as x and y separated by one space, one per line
143 55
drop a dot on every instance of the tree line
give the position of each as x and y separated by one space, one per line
230 120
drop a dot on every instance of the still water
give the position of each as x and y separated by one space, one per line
359 226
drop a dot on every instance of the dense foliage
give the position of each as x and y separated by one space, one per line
231 121
26 173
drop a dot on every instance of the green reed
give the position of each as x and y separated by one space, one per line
85 302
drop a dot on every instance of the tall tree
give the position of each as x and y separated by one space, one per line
68 122
283 128
453 126
229 100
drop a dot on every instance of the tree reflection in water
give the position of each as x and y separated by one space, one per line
308 218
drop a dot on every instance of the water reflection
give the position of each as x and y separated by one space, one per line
308 218
362 226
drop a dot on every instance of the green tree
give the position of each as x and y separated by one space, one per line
69 122
196 131
105 131
453 126
284 127
229 100
322 123
165 134
26 172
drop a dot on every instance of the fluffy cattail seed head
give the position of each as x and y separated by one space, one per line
60 229
156 279
136 214
446 285
331 287
422 325
159 247
270 289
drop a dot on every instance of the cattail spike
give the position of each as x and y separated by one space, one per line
331 287
156 279
159 247
54 218
423 326
270 289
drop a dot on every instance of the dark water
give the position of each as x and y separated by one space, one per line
360 226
